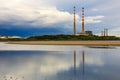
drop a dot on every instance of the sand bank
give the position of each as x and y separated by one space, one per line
86 43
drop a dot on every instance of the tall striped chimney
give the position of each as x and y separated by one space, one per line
74 21
83 20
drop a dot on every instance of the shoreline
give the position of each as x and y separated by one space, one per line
83 43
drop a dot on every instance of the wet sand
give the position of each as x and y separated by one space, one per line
85 43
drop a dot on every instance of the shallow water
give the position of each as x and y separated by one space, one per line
75 63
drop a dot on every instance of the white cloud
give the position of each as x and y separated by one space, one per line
37 13
22 12
94 19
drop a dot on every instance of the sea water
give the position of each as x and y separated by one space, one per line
38 62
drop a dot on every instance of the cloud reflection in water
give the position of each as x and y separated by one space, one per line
60 65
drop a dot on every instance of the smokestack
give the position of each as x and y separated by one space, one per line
74 21
83 20
106 32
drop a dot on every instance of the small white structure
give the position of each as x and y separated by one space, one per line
10 37
3 37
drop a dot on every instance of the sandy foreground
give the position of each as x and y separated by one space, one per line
86 43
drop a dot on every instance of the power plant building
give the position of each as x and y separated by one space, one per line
89 32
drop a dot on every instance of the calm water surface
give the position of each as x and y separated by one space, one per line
81 64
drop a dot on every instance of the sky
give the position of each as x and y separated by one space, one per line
50 17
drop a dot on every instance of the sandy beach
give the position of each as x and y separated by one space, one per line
86 43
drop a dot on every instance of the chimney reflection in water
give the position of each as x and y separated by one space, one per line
83 60
75 62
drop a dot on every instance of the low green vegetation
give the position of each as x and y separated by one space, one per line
70 38
63 38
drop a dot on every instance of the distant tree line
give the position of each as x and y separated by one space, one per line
71 37
63 38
